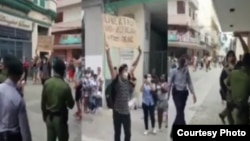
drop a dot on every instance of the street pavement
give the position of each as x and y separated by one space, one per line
98 127
32 95
208 105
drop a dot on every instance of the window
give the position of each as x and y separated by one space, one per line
180 7
42 3
59 17
194 15
190 12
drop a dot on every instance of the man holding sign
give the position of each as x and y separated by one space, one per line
123 89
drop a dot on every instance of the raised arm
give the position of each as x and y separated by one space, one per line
135 63
111 68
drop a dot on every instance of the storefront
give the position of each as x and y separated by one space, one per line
15 36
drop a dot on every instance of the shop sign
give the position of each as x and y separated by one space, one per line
69 39
15 22
181 38
45 43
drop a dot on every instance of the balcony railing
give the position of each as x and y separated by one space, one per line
175 37
70 39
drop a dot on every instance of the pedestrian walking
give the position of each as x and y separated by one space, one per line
162 104
121 89
56 100
148 103
78 89
238 84
45 69
180 82
14 123
224 92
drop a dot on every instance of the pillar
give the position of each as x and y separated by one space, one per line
94 43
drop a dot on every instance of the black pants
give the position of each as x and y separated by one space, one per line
78 93
180 99
120 120
25 74
8 136
148 111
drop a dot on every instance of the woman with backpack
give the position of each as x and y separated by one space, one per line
181 83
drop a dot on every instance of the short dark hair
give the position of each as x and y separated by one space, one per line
59 67
122 67
14 67
7 58
246 60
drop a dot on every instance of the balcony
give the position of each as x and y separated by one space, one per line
195 3
182 19
176 39
68 41
51 5
65 3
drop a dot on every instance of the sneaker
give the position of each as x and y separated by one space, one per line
146 132
154 131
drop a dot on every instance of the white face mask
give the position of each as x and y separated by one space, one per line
149 79
88 75
125 75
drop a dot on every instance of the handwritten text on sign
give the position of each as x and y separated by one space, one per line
120 32
45 43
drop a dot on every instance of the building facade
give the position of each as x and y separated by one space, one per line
183 28
21 22
67 30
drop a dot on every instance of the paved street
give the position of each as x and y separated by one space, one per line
97 127
38 129
205 111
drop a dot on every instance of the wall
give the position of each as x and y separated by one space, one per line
71 13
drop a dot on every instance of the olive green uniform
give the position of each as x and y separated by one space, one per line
56 99
238 84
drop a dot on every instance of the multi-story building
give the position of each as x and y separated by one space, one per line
67 29
183 28
21 22
209 27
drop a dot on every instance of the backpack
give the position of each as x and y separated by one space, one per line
110 93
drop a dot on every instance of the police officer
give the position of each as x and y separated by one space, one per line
238 84
56 99
14 124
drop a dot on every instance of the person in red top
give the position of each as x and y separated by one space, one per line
25 68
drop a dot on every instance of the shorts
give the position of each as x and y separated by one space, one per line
78 94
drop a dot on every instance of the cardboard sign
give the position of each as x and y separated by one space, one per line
45 43
120 32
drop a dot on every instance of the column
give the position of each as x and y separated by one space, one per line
94 41
94 44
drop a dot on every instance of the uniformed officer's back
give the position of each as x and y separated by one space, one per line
56 99
57 94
